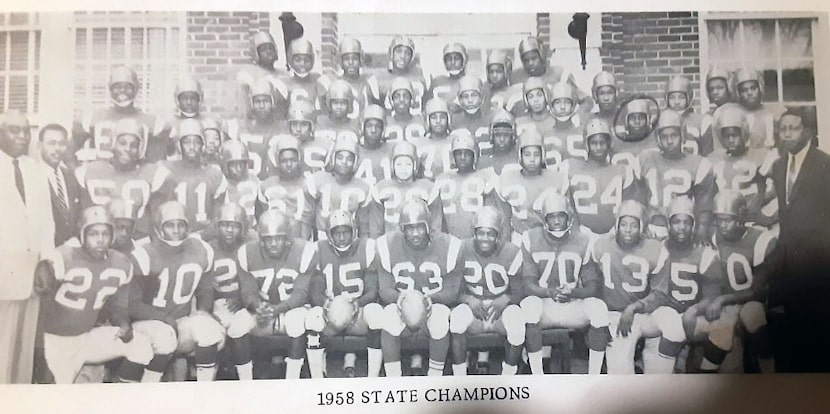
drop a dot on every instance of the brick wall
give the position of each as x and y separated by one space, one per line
644 49
543 28
329 42
217 45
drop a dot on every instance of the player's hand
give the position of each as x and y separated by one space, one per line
400 300
428 301
169 320
125 333
234 305
689 319
714 309
498 306
626 320
657 232
562 293
478 308
44 277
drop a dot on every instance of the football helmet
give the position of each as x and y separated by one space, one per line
749 75
730 116
535 83
340 89
668 119
302 111
456 48
350 45
563 90
190 126
120 208
262 87
731 203
401 83
341 218
413 308
343 143
232 212
530 137
717 72
340 312
281 142
373 111
169 211
557 203
300 46
233 150
400 40
123 74
681 205
436 105
632 208
502 118
273 223
462 139
213 123
637 106
94 215
188 84
531 44
470 83
679 84
489 217
603 79
500 57
130 126
258 39
405 148
414 211
597 126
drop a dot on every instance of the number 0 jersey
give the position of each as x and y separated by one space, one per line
344 273
492 276
742 259
626 272
422 270
276 277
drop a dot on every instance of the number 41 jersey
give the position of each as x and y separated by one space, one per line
422 270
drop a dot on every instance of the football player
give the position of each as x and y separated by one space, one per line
284 190
455 61
374 161
413 258
301 84
124 217
402 64
95 132
281 265
636 127
463 189
687 279
339 103
91 278
434 146
598 187
569 120
679 97
537 100
387 196
168 273
337 189
761 117
264 55
501 150
502 93
491 291
604 91
719 91
520 192
189 99
351 64
472 113
302 118
198 187
243 188
405 122
747 170
347 271
261 123
669 172
536 64
562 284
215 135
748 258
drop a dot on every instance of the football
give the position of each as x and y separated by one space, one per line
340 312
413 309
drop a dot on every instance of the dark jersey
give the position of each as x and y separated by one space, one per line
558 262
344 273
627 273
276 277
422 270
492 276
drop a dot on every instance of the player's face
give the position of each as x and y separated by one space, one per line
470 100
288 164
174 230
339 108
263 105
125 149
416 235
486 240
14 136
636 121
453 61
300 129
267 55
598 147
536 101
192 147
401 101
562 107
792 133
606 97
302 63
728 226
189 102
750 94
350 62
628 231
341 236
670 140
230 233
122 91
53 147
123 236
496 75
274 246
557 221
503 139
373 130
97 240
213 140
532 158
439 122
237 169
681 227
344 163
404 168
677 101
532 62
732 139
463 160
718 91
401 57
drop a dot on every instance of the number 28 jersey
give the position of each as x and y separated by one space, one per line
276 277
422 270
626 273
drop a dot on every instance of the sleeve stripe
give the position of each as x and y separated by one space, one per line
762 245
370 251
308 253
208 251
517 263
383 253
709 256
143 260
661 260
159 177
703 169
242 257
452 253
589 250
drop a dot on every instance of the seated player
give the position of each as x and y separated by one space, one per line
346 272
404 122
500 151
374 161
463 189
633 134
562 284
748 259
301 84
92 278
388 196
169 271
604 91
471 112
424 264
243 187
669 172
687 279
302 118
434 146
284 190
627 261
598 187
679 97
335 120
258 126
501 92
401 55
536 96
281 265
491 291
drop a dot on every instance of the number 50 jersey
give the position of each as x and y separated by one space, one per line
422 270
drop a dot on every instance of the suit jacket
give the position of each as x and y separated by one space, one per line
28 229
78 198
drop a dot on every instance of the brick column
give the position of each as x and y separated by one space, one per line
543 29
329 42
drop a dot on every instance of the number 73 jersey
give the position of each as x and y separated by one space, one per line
422 270
626 272
276 277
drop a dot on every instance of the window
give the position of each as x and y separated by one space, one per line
19 61
152 43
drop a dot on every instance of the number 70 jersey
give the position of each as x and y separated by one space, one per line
422 270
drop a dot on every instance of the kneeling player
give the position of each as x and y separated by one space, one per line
92 277
417 265
562 284
346 273
492 290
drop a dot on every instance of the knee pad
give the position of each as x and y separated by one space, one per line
139 350
162 336
392 322
460 319
597 312
206 331
670 323
294 321
721 335
373 316
438 323
714 353
532 307
753 316
314 319
669 348
514 325
241 323
598 338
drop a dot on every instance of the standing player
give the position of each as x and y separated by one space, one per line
282 266
719 92
562 284
301 84
257 128
491 291
243 188
455 61
388 196
284 190
537 100
434 146
501 150
405 122
679 97
346 272
188 98
472 112
402 64
124 217
536 64
264 54
302 118
501 92
761 117
424 264
569 120
215 135
374 161
636 127
92 278
351 63
604 91
198 187
169 271
339 103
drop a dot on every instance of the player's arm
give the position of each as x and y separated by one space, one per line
204 293
317 289
590 279
388 292
370 288
531 275
249 290
377 226
311 199
451 290
139 310
436 211
363 216
299 295
704 196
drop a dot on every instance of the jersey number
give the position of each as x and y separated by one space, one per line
566 278
401 271
346 282
637 266
187 278
495 277
79 281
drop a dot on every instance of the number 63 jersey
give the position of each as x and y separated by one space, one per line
276 278
422 270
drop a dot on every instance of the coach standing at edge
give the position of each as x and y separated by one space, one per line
26 238
803 283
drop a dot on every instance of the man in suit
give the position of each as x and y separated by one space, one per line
802 286
68 196
26 243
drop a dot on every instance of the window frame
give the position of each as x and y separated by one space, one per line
33 72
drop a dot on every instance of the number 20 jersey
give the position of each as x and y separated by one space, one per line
626 272
276 277
344 272
418 269
489 277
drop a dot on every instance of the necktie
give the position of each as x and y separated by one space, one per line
790 179
63 205
18 179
